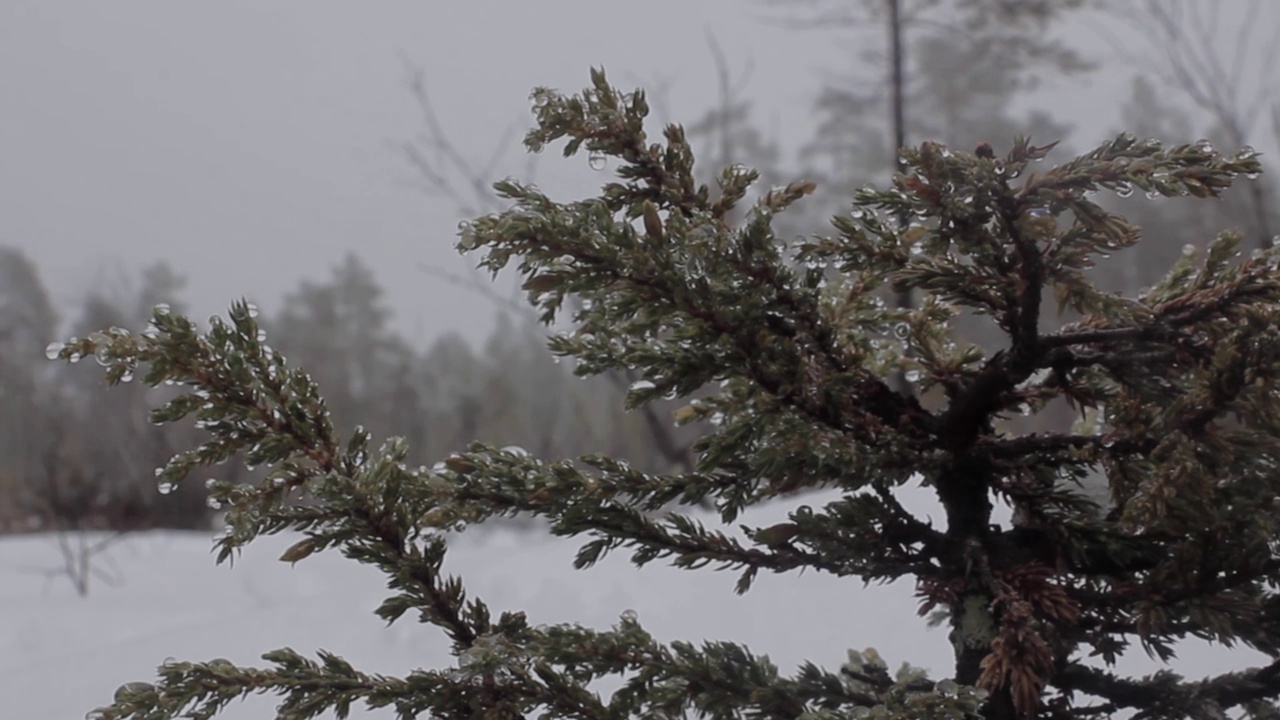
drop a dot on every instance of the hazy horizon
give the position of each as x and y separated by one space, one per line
250 145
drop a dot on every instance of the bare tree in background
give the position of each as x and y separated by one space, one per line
892 77
1226 68
443 169
726 129
947 71
74 502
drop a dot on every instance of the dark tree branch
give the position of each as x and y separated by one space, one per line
1145 333
1223 691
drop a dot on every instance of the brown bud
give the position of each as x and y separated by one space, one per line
685 414
776 536
459 464
984 151
652 222
299 550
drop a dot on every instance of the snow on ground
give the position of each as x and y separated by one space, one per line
62 655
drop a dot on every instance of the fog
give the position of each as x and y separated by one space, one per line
254 144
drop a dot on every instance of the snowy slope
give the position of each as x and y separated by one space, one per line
61 655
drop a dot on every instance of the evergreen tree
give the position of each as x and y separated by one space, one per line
783 351
341 330
27 323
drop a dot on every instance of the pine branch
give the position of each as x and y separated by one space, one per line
1147 333
1166 694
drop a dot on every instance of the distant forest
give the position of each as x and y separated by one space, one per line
68 461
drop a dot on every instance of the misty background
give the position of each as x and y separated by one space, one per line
317 157
252 145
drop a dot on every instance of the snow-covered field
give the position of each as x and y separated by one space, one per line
62 655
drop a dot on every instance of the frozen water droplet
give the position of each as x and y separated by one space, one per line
515 450
52 350
213 503
629 616
208 484
261 336
641 386
166 487
126 376
251 309
1153 194
596 161
912 376
1253 175
464 226
1203 145
1124 189
901 331
124 691
1188 249
857 213
162 309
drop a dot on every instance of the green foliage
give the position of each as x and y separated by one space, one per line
781 350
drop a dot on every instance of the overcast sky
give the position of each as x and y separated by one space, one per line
248 143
